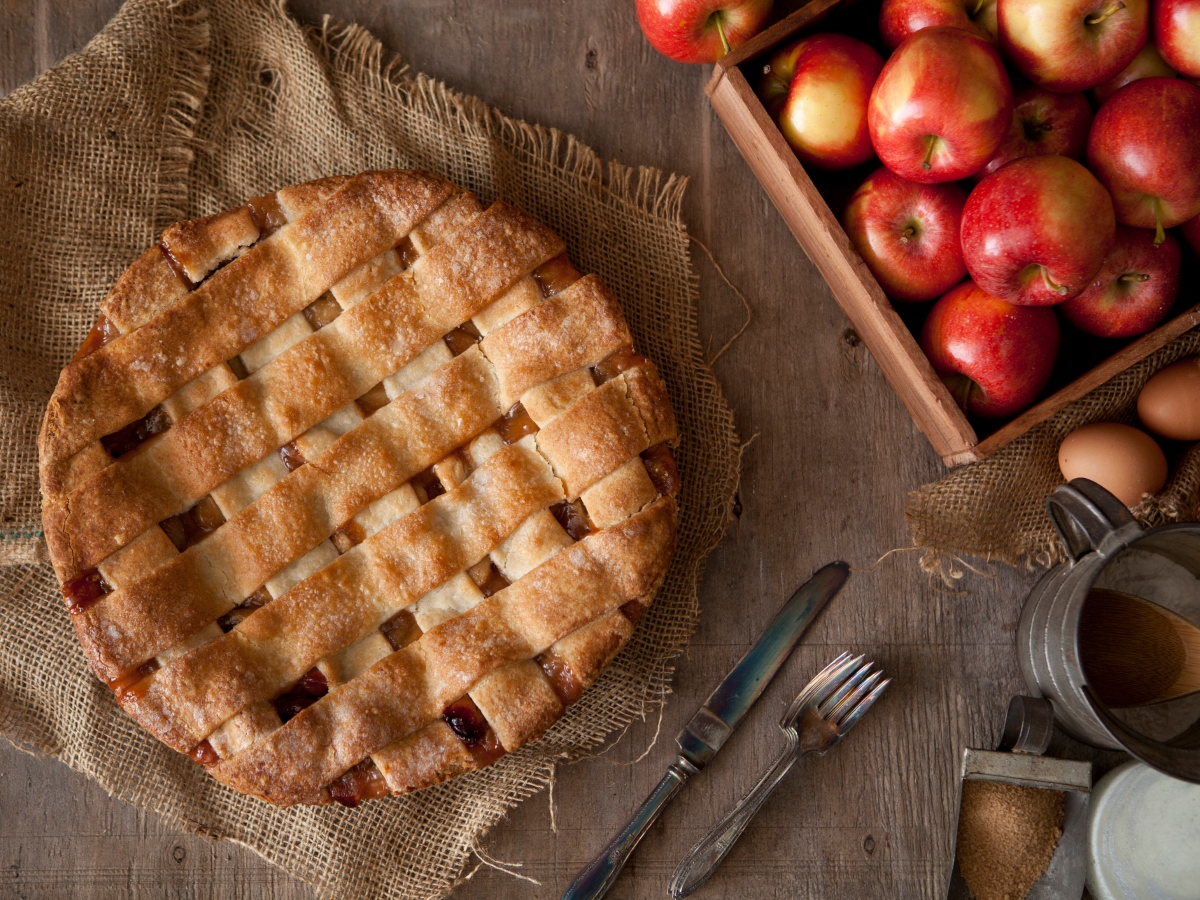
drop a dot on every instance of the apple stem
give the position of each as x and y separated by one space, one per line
1159 234
908 232
1097 18
1057 288
931 141
961 387
721 31
1133 276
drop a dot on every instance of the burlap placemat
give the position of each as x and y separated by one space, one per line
995 508
182 109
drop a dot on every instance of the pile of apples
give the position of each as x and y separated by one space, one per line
1035 154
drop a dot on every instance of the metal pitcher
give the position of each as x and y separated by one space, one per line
1098 532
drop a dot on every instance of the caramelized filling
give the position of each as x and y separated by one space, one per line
516 424
562 679
401 629
407 252
136 433
363 782
322 311
291 456
555 276
204 754
127 682
84 590
193 525
349 535
468 723
307 691
616 363
660 466
176 266
573 517
375 398
267 214
240 614
463 338
633 610
426 485
102 332
494 582
238 368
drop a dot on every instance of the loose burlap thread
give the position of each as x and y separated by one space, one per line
181 109
995 508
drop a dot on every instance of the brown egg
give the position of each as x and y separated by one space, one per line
1120 458
1169 404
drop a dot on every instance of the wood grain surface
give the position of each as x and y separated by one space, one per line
830 458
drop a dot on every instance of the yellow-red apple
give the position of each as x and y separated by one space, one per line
993 356
907 234
1147 64
941 107
1145 147
1134 289
1071 45
1043 123
900 18
700 31
1177 33
1036 231
823 115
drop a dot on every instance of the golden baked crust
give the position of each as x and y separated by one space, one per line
356 487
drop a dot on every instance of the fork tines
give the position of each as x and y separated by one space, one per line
841 693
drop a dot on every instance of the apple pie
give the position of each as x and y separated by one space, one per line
356 487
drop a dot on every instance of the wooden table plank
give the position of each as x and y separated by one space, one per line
825 477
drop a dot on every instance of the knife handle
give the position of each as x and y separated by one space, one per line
594 881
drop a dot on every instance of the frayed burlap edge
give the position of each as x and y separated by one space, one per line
995 508
340 852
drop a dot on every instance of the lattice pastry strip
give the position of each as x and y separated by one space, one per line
455 402
392 474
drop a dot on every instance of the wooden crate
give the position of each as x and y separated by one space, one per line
807 213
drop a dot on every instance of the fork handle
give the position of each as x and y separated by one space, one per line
702 860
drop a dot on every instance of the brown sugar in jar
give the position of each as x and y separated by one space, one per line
1006 836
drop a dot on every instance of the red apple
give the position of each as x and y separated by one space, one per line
907 234
1177 33
1147 64
700 31
823 115
1134 289
1043 123
900 18
1036 232
941 106
994 357
1191 233
1145 147
1071 45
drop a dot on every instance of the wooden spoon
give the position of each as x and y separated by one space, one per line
1135 652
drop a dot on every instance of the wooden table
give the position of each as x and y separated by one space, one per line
831 456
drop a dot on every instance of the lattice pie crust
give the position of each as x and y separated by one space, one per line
354 488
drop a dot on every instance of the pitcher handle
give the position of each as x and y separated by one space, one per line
1087 518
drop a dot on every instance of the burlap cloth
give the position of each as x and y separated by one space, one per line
179 110
995 508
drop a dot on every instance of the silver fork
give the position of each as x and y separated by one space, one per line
820 716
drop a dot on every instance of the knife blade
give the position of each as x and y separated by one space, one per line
725 707
712 724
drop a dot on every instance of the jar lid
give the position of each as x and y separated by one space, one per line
1143 831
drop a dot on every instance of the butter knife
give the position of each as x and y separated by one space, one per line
712 724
